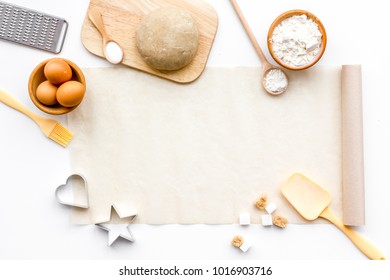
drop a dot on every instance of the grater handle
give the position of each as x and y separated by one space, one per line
61 37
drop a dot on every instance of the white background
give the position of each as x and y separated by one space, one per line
34 226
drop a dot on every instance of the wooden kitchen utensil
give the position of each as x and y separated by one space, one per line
267 66
121 18
114 55
312 201
51 128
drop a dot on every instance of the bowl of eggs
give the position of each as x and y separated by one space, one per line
296 39
57 86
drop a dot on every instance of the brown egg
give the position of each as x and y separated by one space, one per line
57 71
46 93
70 93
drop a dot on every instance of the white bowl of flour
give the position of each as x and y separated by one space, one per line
296 40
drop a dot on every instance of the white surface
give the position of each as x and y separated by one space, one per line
34 226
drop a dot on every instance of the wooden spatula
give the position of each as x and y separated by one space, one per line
312 201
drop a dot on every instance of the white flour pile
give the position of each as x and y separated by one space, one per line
275 81
296 40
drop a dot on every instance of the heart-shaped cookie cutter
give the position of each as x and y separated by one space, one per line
81 203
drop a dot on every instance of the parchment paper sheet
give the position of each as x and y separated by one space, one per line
204 152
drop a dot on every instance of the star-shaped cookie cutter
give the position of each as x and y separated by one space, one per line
117 230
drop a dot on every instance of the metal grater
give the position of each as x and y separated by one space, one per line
32 28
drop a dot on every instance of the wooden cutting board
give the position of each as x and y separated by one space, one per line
121 18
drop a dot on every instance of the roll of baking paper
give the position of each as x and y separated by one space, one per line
352 146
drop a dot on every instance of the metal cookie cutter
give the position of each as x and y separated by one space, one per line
65 194
117 230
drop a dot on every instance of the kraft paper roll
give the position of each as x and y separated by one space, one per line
352 146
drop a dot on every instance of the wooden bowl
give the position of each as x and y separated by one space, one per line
282 17
37 76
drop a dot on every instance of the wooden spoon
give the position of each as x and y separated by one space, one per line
266 65
312 201
111 49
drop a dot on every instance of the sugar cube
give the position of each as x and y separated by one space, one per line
245 246
266 220
245 219
270 208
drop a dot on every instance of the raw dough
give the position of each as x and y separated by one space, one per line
167 38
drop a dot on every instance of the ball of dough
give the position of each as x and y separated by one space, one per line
167 38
